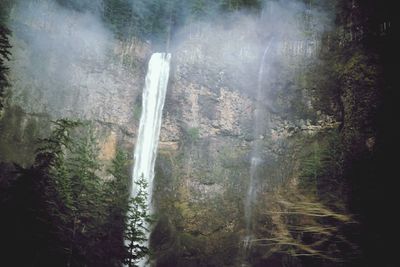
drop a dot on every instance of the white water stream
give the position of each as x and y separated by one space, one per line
261 125
149 128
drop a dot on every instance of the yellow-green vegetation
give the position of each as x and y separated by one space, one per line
199 208
19 133
64 200
304 214
325 187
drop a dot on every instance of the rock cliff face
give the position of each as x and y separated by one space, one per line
202 170
69 69
203 166
67 65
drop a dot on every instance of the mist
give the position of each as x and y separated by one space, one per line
227 49
72 64
74 57
273 139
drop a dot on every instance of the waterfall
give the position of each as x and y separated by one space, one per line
261 124
150 123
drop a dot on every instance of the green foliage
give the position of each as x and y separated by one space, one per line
137 111
51 153
4 56
117 13
197 228
304 227
306 215
5 7
117 199
321 165
73 191
143 19
198 8
81 5
312 166
155 19
192 134
138 220
234 5
63 209
119 170
19 134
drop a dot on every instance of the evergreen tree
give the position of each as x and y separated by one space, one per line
116 198
137 221
65 212
4 56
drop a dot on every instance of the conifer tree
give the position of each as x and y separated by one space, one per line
138 219
4 56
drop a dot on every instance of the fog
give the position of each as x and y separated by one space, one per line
66 63
88 58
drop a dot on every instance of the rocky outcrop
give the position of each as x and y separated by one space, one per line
203 166
66 64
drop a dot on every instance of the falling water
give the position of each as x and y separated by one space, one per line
260 126
150 123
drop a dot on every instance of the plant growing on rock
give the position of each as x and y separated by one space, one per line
302 226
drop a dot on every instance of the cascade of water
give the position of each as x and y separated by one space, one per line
150 123
260 126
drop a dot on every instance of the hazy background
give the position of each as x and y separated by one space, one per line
88 59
